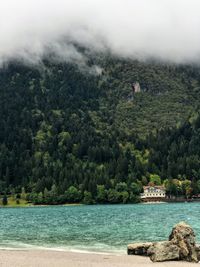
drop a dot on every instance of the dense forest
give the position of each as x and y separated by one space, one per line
69 134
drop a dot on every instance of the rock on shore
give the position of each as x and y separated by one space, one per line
180 246
163 251
139 248
183 236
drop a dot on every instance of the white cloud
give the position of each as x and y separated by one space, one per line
163 29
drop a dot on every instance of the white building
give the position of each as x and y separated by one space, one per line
153 192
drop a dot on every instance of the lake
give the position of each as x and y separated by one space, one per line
100 228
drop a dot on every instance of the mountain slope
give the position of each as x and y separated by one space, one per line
61 126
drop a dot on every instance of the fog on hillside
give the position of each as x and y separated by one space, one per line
138 29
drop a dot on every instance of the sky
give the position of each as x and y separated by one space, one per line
167 30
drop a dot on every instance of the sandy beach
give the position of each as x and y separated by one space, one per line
40 258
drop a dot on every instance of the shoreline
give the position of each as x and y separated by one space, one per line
75 250
49 258
29 205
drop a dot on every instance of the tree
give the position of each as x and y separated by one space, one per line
33 197
54 191
101 194
5 200
155 179
7 176
173 187
87 198
40 185
198 186
113 196
144 180
124 197
73 195
23 193
120 187
40 199
46 193
186 188
134 198
135 188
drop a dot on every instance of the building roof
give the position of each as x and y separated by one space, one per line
154 186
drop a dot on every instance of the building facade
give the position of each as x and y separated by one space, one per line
153 192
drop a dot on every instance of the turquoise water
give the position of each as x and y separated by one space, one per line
106 228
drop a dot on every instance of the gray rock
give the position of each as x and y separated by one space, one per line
198 251
183 236
138 248
163 251
181 246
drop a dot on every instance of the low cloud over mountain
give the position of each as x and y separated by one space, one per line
142 29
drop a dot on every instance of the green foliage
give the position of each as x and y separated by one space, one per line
101 194
120 187
40 198
23 193
155 179
135 188
73 195
68 136
113 196
87 199
124 197
4 200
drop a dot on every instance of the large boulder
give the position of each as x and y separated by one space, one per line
139 248
163 251
183 236
180 246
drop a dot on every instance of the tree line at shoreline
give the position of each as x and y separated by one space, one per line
121 194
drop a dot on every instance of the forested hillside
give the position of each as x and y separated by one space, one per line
69 135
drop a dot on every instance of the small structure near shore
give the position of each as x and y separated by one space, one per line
180 246
153 193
